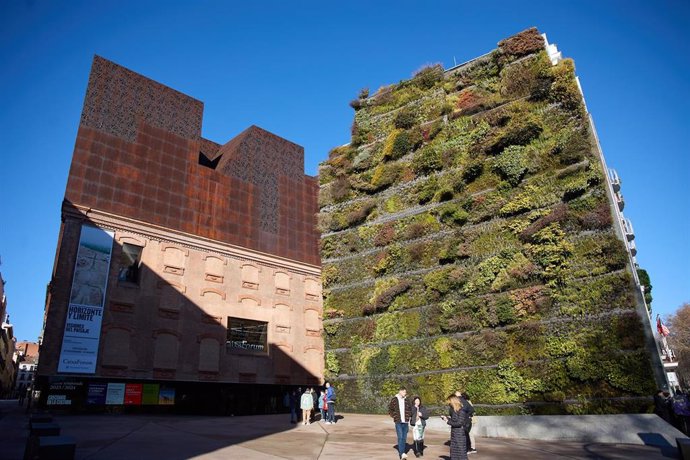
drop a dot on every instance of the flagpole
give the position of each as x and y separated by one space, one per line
663 333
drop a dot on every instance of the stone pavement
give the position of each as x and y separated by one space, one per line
172 437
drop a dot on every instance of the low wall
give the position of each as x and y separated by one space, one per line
646 429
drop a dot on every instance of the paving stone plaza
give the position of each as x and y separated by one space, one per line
272 437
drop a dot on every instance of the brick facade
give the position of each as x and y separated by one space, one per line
225 230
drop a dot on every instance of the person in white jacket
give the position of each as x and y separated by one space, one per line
307 404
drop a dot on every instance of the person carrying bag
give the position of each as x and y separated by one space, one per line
418 423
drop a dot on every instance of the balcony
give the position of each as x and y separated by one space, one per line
633 248
552 50
668 356
615 180
620 200
628 229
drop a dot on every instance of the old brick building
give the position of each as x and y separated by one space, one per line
186 271
26 357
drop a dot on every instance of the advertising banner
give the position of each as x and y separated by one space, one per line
166 397
96 394
85 310
133 393
115 394
63 393
150 395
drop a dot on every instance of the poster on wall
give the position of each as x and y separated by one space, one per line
133 392
166 397
64 392
150 393
115 394
96 394
85 309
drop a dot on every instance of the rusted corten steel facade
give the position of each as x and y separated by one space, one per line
137 155
220 233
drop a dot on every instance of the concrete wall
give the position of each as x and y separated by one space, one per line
645 429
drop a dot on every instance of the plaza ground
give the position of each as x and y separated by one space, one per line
172 437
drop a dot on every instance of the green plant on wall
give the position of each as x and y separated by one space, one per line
469 244
332 365
452 213
551 250
511 164
647 283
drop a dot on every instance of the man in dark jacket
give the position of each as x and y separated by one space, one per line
469 408
293 401
330 400
400 409
661 405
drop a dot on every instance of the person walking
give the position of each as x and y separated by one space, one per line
293 406
22 394
400 411
323 406
330 400
681 411
418 423
314 404
662 406
306 404
29 398
457 419
469 408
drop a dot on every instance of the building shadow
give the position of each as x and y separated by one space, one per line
657 440
155 338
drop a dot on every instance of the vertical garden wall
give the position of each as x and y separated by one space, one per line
468 243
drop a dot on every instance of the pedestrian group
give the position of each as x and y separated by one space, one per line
311 402
407 414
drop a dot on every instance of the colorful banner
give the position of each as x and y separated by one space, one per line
150 393
133 393
96 394
85 310
166 397
115 394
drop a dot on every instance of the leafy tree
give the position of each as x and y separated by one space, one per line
679 340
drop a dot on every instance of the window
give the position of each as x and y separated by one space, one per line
247 334
205 160
250 276
282 282
130 260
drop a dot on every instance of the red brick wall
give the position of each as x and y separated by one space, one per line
58 297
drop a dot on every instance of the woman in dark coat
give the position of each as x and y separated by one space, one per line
418 423
458 420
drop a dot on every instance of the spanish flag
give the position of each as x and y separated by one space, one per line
661 328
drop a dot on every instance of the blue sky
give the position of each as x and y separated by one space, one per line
292 68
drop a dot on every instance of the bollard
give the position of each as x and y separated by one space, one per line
40 418
683 448
44 429
56 447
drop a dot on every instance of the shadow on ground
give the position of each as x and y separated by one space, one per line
272 437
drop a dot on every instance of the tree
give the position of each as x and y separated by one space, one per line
679 340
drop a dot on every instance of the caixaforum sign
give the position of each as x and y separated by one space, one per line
85 311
